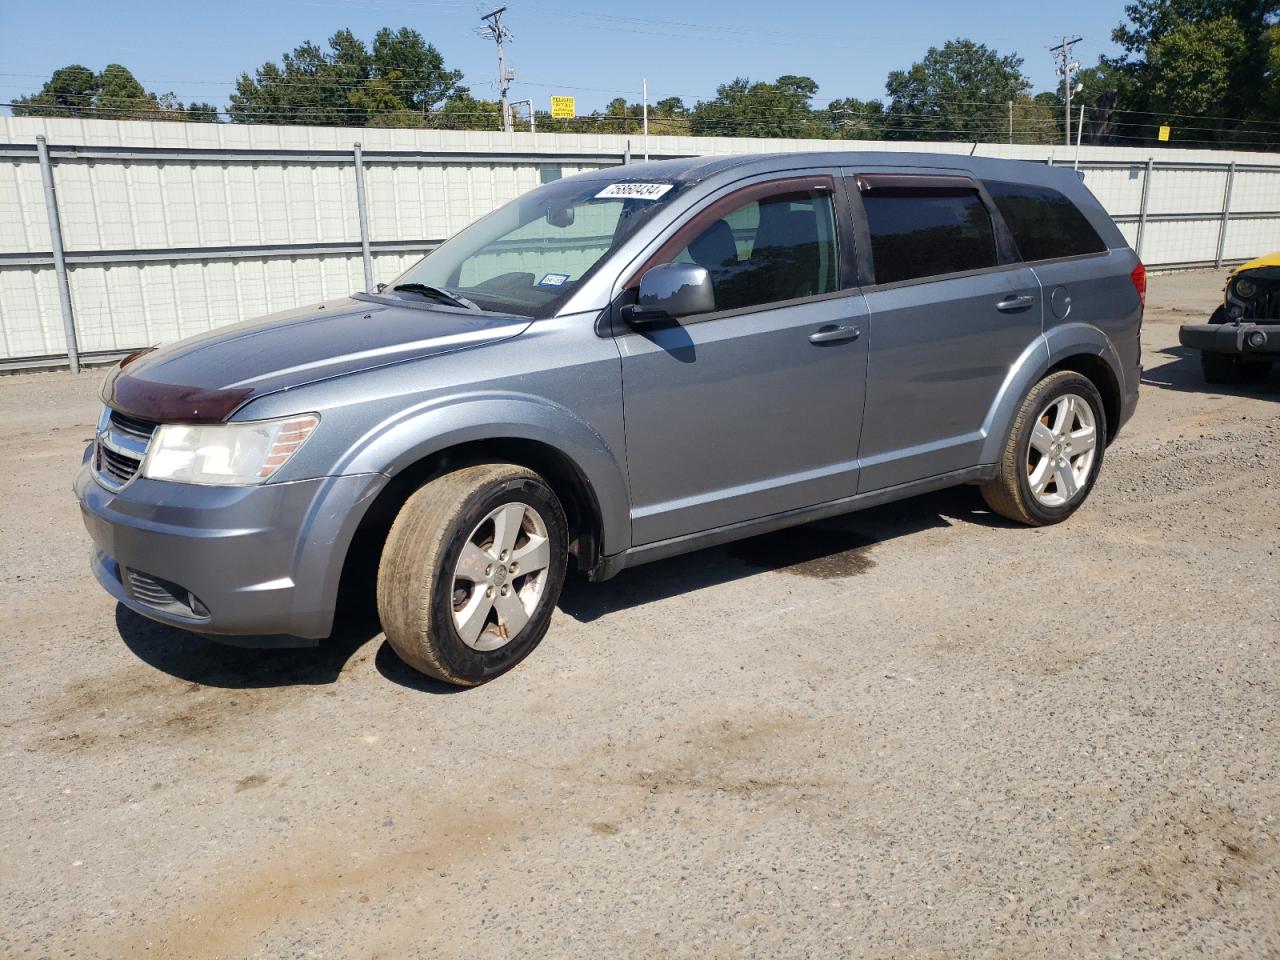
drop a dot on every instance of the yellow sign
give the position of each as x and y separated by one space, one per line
1164 133
563 108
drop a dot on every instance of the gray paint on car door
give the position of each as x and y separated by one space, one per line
742 416
939 351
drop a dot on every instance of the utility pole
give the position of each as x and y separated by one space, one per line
644 98
494 28
1066 70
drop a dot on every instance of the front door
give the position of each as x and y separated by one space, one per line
754 409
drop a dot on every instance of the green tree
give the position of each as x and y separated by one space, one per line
1198 58
464 112
398 82
1191 67
853 119
745 109
957 91
113 94
1269 105
122 97
202 113
70 92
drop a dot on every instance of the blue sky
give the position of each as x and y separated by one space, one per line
593 51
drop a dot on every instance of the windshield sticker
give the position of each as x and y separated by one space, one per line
634 191
554 280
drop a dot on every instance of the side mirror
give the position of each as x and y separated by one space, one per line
670 291
381 287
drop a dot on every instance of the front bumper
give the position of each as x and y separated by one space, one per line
242 561
1237 338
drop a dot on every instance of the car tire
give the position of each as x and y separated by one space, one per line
1053 453
454 599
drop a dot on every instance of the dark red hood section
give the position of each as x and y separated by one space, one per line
170 402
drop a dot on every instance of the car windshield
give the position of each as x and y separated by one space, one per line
527 257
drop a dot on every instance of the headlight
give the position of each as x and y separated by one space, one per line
1245 288
226 453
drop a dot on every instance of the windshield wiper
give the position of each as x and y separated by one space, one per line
438 293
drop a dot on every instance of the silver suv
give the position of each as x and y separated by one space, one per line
615 368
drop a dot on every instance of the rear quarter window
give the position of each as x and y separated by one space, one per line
1044 223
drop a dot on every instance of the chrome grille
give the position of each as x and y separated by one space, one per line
121 445
116 467
150 590
131 427
162 594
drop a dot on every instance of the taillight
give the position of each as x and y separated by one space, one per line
1139 278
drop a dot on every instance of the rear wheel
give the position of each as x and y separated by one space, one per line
471 572
1053 453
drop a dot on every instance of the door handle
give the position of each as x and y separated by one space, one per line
1014 304
831 334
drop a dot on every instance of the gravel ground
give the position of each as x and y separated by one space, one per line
913 732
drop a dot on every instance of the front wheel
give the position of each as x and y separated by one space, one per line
471 572
1053 453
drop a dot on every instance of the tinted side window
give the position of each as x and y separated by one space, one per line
1044 223
923 232
776 248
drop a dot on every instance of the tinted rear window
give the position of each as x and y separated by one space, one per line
1045 224
925 232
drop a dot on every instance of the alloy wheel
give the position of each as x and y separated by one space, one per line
1060 454
500 576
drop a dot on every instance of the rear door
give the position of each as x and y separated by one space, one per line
1056 240
951 311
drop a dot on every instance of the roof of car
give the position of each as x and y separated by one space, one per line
700 168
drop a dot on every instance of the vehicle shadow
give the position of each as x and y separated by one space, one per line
237 663
232 662
1181 372
827 549
836 548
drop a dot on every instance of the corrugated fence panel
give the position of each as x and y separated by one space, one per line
30 318
1119 189
24 223
171 229
1256 191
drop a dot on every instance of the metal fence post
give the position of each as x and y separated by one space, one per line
362 207
1142 209
59 261
1226 213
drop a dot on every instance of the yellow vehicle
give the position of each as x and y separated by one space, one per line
1242 338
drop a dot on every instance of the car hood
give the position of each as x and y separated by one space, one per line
1270 260
205 378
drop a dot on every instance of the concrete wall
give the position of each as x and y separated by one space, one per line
172 228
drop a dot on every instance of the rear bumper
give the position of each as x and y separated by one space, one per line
239 561
1238 338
